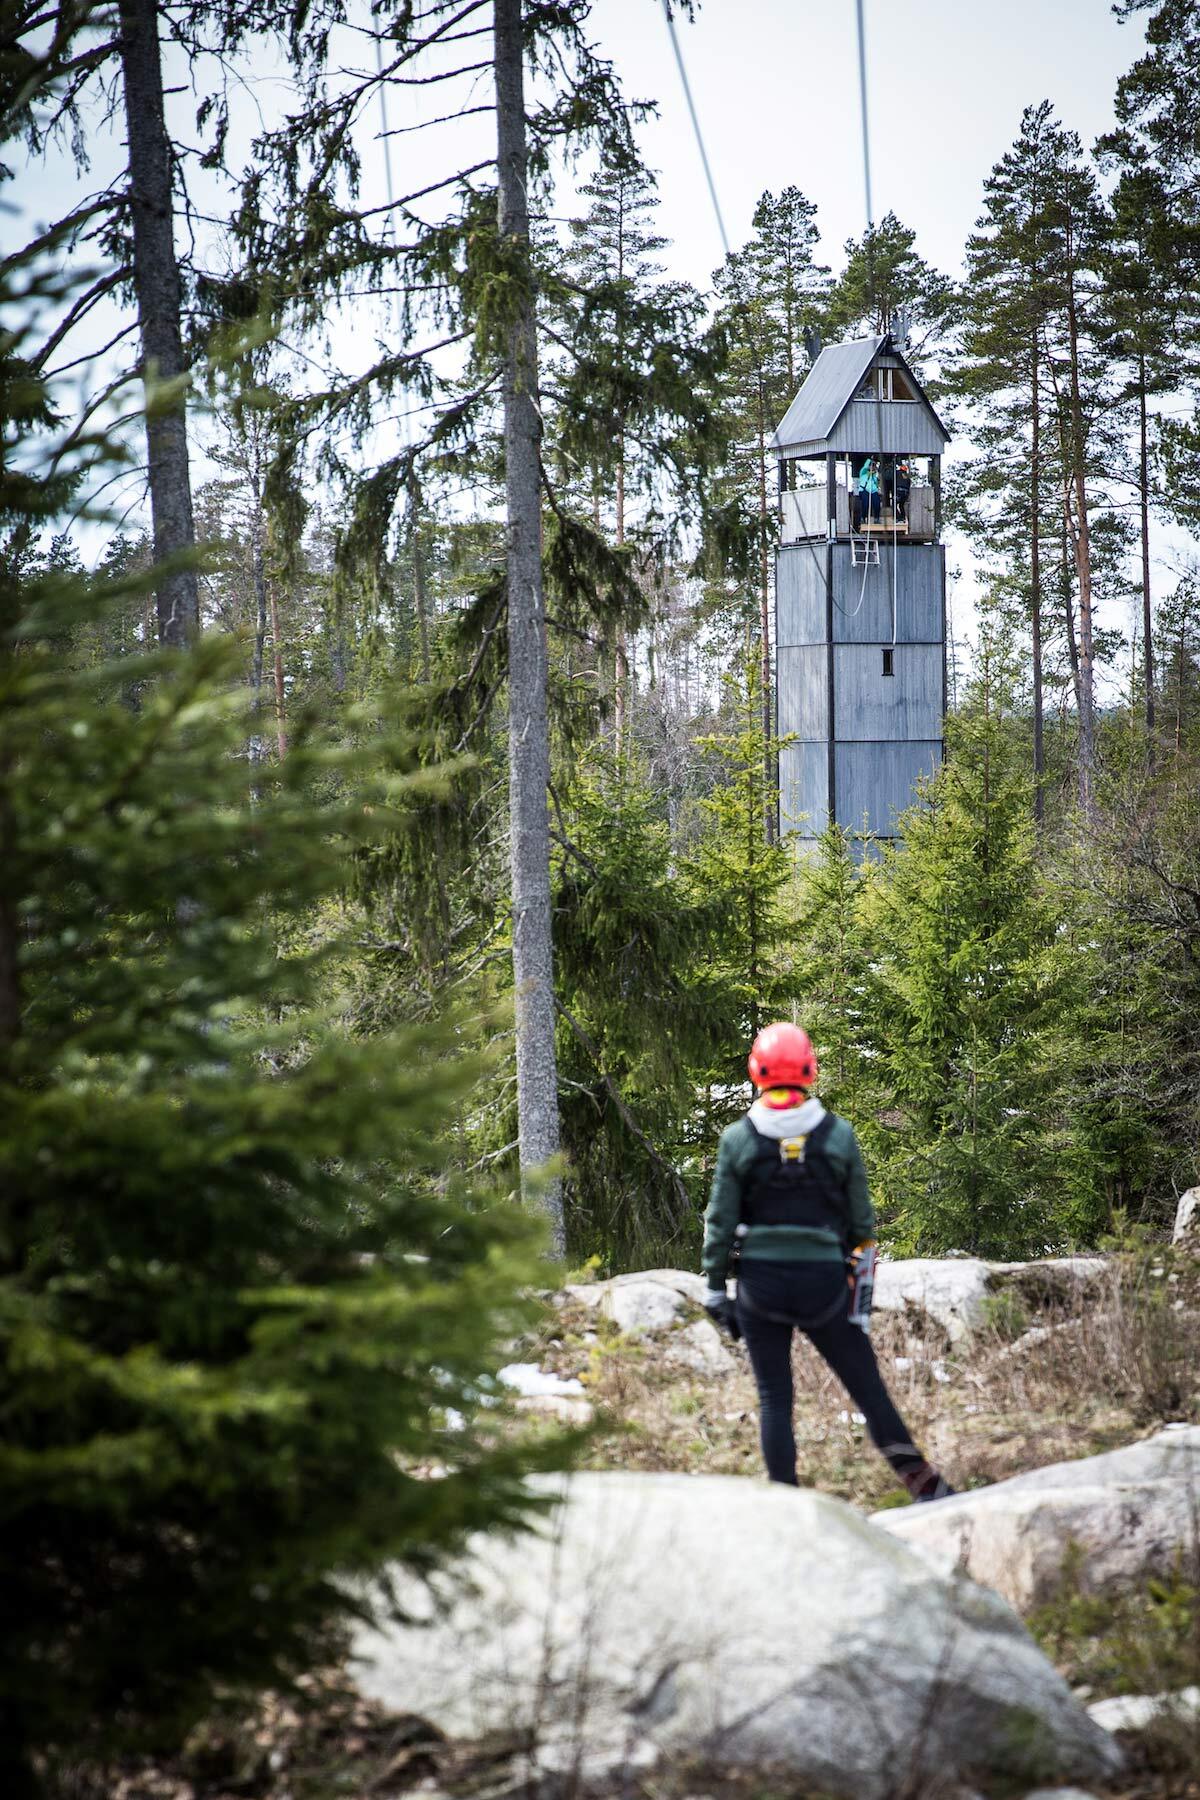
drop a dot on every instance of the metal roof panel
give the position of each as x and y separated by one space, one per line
810 424
834 378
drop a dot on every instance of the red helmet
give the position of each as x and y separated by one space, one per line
782 1056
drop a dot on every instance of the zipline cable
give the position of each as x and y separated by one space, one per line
691 106
866 134
871 284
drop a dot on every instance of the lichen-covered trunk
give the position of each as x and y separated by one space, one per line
1083 570
621 699
259 573
1035 596
280 693
1144 511
157 286
528 737
770 806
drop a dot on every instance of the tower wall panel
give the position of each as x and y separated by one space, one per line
804 788
802 680
862 596
800 594
903 706
877 782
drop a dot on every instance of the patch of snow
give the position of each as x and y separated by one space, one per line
528 1380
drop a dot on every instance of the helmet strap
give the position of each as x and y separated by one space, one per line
780 1098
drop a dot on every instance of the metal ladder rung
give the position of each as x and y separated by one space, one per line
864 553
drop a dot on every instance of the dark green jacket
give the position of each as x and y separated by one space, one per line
783 1243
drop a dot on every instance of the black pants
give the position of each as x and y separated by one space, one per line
777 1298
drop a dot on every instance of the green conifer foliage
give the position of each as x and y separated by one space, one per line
239 1294
633 945
752 966
832 962
883 272
969 981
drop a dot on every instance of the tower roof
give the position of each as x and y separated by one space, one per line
827 415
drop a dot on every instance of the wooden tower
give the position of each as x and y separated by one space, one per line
860 600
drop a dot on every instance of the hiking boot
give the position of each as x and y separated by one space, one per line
925 1484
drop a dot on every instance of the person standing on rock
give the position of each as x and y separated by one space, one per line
790 1192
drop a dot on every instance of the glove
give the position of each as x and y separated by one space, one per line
723 1312
854 1260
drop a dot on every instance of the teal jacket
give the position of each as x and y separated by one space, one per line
868 479
782 1243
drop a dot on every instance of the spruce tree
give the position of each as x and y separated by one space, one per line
968 982
639 1019
628 424
243 1302
832 963
751 966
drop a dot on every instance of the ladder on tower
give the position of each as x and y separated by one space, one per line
864 553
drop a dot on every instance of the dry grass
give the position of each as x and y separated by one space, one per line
1118 1360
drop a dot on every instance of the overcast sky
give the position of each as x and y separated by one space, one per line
776 87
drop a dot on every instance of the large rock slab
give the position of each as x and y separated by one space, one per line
1133 1712
701 1348
680 1282
1113 1520
642 1306
950 1291
1186 1234
954 1291
751 1626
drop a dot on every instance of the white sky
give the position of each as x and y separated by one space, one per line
775 84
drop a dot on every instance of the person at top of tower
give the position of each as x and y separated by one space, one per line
868 490
903 489
790 1192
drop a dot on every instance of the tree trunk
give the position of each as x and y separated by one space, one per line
1147 621
10 982
1083 566
420 597
1068 605
528 737
277 651
258 565
157 286
621 705
764 607
1035 598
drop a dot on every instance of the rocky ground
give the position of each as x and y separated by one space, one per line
1053 1368
1000 1371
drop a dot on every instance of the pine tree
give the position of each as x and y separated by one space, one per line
1179 638
791 283
1140 306
770 294
1007 498
884 273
